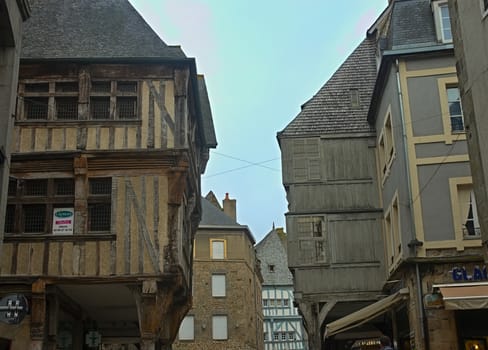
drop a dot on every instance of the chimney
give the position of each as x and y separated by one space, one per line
229 207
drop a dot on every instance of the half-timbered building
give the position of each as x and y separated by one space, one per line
112 131
283 325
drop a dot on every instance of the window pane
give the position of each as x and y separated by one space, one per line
36 107
454 108
10 218
453 94
101 186
218 285
217 249
12 187
37 87
64 187
34 218
127 86
71 86
457 124
35 187
187 328
219 327
100 86
67 108
99 217
127 107
100 107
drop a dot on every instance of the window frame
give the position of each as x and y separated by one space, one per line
215 335
191 331
484 8
310 238
216 291
99 199
224 247
20 199
437 7
386 146
449 136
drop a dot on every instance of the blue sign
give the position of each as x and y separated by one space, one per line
461 274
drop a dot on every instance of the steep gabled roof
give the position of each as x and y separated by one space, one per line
211 215
330 110
208 126
82 29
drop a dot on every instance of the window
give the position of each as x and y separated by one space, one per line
306 160
265 302
271 268
468 211
217 249
276 336
32 202
291 335
218 285
392 229
219 327
187 328
445 23
283 335
312 239
265 336
113 100
285 302
355 102
99 204
386 146
455 109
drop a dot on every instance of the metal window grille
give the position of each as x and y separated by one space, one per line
101 86
101 186
34 218
100 107
37 87
71 86
35 187
126 107
126 86
36 107
99 217
64 187
10 218
67 108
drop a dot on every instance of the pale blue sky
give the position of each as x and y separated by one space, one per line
262 59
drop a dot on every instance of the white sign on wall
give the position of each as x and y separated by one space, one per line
63 220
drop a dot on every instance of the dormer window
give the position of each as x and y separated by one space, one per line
442 21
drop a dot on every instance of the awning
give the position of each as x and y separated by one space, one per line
365 314
465 296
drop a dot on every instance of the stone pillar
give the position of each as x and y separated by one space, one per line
442 330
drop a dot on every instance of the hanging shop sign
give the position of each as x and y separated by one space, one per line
13 308
462 274
63 221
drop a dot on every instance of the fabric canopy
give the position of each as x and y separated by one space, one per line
365 314
465 296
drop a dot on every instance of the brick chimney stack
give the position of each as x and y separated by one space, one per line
229 206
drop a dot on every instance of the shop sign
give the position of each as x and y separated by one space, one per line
63 219
461 274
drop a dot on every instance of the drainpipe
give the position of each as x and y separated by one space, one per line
410 201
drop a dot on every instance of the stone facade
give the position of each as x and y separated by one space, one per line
241 298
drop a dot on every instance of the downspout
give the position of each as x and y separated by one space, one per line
410 201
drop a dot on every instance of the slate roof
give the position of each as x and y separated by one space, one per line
208 126
213 216
272 251
330 110
412 25
78 29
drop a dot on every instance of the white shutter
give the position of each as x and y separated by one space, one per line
217 249
219 327
218 285
187 328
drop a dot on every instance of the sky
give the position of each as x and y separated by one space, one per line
262 59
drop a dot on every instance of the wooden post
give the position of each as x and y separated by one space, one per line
38 315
